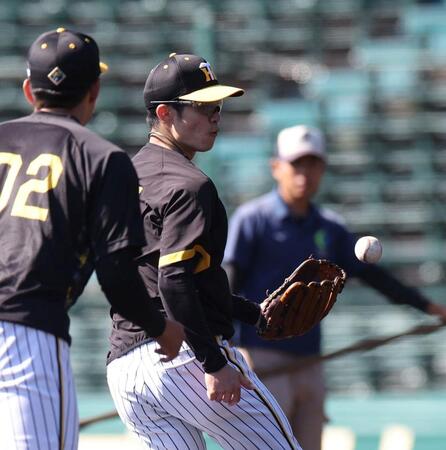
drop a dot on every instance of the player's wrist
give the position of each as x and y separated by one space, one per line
261 321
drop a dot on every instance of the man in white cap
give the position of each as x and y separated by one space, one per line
268 237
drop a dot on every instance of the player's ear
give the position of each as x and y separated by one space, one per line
163 113
27 91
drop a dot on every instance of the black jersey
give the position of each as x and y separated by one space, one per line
185 226
67 197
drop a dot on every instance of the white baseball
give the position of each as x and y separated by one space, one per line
368 249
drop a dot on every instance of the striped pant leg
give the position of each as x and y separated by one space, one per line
38 408
176 393
258 412
137 393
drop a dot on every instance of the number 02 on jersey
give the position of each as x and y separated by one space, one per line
20 207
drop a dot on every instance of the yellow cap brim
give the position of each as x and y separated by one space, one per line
213 93
103 67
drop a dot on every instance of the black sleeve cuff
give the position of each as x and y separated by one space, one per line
214 362
245 310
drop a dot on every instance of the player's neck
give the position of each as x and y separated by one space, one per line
80 112
166 141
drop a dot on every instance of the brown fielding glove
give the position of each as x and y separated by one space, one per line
302 301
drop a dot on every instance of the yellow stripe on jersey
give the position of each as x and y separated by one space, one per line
183 255
205 260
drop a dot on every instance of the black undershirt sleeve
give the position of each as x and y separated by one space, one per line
122 285
243 309
385 283
235 276
179 295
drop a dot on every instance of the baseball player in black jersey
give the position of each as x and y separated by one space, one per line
68 204
208 387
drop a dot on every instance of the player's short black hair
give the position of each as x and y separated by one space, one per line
47 99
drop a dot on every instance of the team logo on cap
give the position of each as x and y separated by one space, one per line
56 76
205 67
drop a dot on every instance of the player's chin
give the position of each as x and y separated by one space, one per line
208 143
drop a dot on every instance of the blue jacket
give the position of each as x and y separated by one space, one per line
265 244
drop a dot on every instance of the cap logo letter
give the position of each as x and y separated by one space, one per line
205 67
56 76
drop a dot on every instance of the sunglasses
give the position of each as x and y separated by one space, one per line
205 108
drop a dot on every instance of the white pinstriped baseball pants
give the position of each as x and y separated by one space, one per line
166 405
37 393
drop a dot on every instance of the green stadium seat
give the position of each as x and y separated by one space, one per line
398 130
439 161
289 38
413 217
409 161
409 189
380 53
435 42
299 12
9 34
423 19
92 12
239 166
12 68
343 8
278 114
413 251
395 83
8 11
349 111
49 13
130 69
12 99
338 82
240 36
141 11
351 162
121 99
238 146
350 190
237 11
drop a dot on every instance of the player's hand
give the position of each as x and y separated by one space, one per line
170 341
225 384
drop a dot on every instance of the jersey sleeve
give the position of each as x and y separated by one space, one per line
114 217
185 228
185 252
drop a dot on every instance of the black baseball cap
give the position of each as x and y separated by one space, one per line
185 77
64 62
